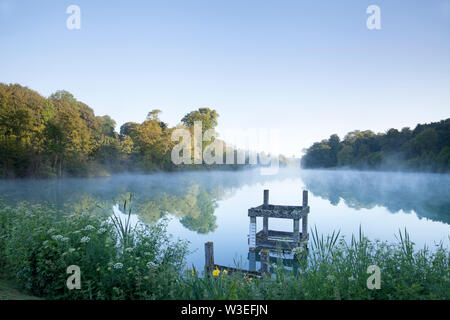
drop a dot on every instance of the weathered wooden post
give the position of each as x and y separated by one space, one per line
305 198
209 256
296 230
252 233
305 217
264 257
266 219
252 260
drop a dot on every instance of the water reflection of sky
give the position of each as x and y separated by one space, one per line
212 206
230 237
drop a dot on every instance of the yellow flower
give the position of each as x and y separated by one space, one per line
225 272
216 272
193 272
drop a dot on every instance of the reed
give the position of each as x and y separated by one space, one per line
121 261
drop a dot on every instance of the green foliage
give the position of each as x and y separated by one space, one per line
336 269
207 116
37 246
61 136
426 148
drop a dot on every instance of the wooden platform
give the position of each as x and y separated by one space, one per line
275 240
279 240
263 243
279 211
287 261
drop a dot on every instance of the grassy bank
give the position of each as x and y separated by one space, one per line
121 262
10 291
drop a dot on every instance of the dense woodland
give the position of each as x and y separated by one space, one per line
426 148
60 136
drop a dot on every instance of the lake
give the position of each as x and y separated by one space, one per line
212 205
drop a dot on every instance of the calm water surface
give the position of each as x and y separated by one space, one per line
212 206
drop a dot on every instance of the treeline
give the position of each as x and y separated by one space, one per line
426 148
61 136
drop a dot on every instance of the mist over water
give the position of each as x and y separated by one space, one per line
212 205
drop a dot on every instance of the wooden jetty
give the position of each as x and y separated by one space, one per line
262 243
279 240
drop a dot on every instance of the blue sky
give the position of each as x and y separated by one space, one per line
306 68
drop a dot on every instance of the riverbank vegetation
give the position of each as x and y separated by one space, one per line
37 245
425 148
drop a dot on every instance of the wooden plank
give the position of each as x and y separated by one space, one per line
209 254
305 198
296 228
276 245
266 198
252 232
266 225
286 235
289 262
291 213
304 227
265 262
266 219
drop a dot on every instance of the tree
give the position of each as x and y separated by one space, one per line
345 156
423 148
128 129
207 116
154 115
107 126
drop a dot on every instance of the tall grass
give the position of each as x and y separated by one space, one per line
120 261
124 229
333 268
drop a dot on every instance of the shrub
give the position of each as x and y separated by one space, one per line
37 246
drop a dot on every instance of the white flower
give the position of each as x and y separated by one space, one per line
129 249
51 230
351 279
118 265
57 237
330 277
151 264
85 239
101 230
147 253
298 250
89 227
